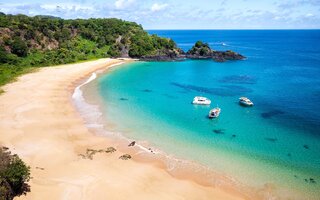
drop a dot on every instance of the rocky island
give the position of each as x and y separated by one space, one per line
203 51
200 50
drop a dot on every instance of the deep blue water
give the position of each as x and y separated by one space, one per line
295 54
276 141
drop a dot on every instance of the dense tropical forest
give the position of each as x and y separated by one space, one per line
29 42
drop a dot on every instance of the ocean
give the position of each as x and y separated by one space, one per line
275 143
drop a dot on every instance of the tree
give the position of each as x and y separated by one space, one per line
19 47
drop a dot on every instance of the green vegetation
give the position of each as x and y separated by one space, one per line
29 42
201 49
13 175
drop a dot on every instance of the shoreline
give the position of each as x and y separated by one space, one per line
40 124
181 168
143 152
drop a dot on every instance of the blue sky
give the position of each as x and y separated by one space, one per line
182 14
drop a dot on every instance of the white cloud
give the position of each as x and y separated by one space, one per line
157 7
122 4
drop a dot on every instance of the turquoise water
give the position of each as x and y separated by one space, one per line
277 141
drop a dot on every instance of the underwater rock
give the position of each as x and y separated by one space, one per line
218 131
272 113
239 79
146 90
123 99
306 146
225 90
271 139
312 180
234 136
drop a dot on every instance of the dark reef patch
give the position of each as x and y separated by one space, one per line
271 139
306 146
225 90
312 180
170 96
234 136
218 131
239 79
146 90
123 99
272 113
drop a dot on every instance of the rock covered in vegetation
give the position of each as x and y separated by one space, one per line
165 55
203 51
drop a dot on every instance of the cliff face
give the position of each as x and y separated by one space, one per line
202 51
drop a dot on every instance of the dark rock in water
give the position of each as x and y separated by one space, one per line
306 146
222 56
226 90
272 113
125 157
147 90
306 180
312 180
295 176
234 136
218 131
132 144
203 51
289 154
239 79
271 139
123 99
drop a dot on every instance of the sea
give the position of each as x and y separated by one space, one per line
273 146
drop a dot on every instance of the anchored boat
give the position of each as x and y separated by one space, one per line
245 101
215 112
201 101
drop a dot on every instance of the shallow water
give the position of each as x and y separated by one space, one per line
277 141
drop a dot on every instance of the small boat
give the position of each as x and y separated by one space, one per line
215 112
245 101
201 101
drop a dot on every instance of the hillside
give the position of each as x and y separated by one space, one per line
44 40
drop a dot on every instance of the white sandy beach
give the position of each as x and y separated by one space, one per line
39 122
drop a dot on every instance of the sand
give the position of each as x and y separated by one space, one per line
40 123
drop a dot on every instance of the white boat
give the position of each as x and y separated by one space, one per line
245 101
214 113
201 101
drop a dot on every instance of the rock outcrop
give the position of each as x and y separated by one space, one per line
203 51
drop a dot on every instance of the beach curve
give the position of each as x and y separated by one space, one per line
40 124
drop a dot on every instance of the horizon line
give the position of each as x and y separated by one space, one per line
240 29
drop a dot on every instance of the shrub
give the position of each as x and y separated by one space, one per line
14 174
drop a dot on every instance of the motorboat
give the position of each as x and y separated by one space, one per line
215 112
201 100
245 101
